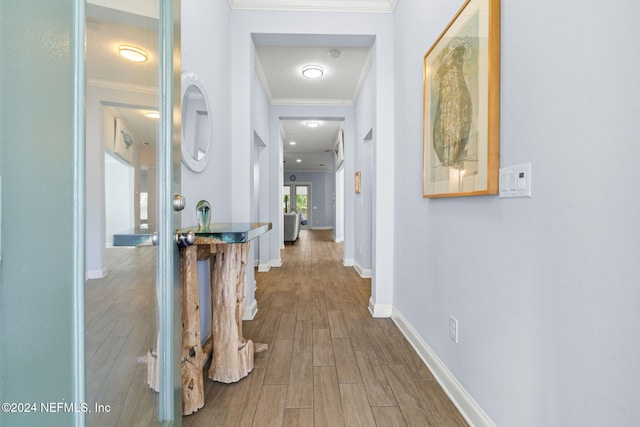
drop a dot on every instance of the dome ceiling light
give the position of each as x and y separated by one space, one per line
312 71
133 53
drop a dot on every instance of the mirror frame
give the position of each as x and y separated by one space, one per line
196 165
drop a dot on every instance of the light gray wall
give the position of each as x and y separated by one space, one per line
345 113
545 289
98 133
206 51
260 116
365 123
243 25
323 186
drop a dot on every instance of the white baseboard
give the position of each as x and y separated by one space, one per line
468 407
96 274
347 262
380 310
365 273
263 268
276 262
338 239
250 311
322 228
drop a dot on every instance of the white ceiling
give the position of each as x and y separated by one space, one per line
279 60
281 69
313 146
346 61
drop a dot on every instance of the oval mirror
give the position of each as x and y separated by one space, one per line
197 126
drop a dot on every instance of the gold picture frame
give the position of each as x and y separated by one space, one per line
461 138
357 181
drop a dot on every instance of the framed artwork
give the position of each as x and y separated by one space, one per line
123 141
338 151
357 181
461 139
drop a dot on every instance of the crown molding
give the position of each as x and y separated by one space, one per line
262 77
128 87
362 6
312 102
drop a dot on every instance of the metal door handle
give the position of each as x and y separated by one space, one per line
178 202
184 240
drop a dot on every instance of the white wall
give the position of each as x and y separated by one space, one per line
545 289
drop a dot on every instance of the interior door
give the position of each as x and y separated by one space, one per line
133 311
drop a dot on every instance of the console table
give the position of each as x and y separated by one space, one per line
233 354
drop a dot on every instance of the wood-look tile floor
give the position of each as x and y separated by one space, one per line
120 326
329 363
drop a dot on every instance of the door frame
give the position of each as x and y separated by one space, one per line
168 259
292 186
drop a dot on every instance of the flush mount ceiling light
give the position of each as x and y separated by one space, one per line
133 53
312 71
298 160
292 143
312 124
152 114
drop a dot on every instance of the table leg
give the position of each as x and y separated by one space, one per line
193 356
233 355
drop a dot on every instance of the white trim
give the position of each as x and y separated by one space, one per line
276 262
468 407
263 78
363 77
322 228
302 102
121 86
365 273
347 262
263 268
380 310
250 311
97 274
338 239
366 6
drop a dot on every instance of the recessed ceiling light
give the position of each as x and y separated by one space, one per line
312 71
298 160
133 53
292 143
312 124
152 114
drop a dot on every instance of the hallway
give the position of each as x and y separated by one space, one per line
329 362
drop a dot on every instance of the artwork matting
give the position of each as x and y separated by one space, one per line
462 104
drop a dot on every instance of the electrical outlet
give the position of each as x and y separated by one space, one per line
453 329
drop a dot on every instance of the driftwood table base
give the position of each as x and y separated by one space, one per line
193 356
233 355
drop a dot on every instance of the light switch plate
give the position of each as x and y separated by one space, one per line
515 181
